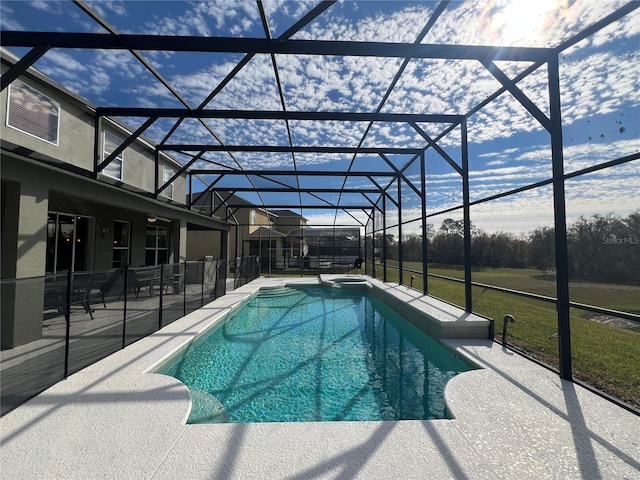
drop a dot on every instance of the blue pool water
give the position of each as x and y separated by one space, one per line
315 354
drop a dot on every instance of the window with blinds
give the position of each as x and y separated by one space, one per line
167 173
33 113
110 143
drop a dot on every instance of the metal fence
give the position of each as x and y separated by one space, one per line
534 332
55 325
247 269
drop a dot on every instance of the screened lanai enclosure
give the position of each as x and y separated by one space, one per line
482 152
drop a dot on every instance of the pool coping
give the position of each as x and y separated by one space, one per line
513 419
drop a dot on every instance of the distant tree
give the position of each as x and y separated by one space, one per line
447 246
605 248
456 227
451 227
412 247
542 250
431 231
602 248
390 243
499 250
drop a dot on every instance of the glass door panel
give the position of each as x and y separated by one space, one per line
64 250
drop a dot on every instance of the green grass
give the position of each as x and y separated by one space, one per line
625 298
603 356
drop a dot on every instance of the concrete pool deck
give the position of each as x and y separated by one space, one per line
513 419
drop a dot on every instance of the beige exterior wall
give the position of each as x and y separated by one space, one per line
204 243
257 218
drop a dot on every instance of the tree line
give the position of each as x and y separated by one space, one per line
603 248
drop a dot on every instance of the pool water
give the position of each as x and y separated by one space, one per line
315 354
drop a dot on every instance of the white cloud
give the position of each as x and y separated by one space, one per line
49 6
599 78
6 20
65 62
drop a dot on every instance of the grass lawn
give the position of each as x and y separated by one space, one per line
604 356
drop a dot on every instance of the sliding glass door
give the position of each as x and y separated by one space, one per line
67 242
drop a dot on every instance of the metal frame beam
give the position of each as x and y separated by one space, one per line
279 173
22 65
560 222
400 251
425 240
304 207
270 46
297 190
128 141
287 149
384 238
466 218
432 143
276 115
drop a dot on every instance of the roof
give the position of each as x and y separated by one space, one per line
285 213
264 232
352 233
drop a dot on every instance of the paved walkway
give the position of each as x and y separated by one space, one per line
513 419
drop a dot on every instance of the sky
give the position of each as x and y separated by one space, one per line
508 148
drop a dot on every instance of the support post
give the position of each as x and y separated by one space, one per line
468 302
373 243
560 220
67 317
124 308
160 296
425 239
156 183
384 238
97 155
399 231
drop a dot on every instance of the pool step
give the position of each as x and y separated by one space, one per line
205 408
278 292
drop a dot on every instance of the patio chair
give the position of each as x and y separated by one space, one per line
357 265
97 282
81 290
115 283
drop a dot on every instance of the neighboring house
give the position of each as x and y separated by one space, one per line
281 238
254 230
61 211
293 244
329 247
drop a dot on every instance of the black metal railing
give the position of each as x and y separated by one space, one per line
535 333
55 325
246 270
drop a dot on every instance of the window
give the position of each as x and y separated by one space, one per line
120 244
156 246
167 173
253 217
114 169
33 113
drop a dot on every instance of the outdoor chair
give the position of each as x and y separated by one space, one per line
80 291
97 282
115 283
357 265
55 292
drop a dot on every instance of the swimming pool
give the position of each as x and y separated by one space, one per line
314 354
